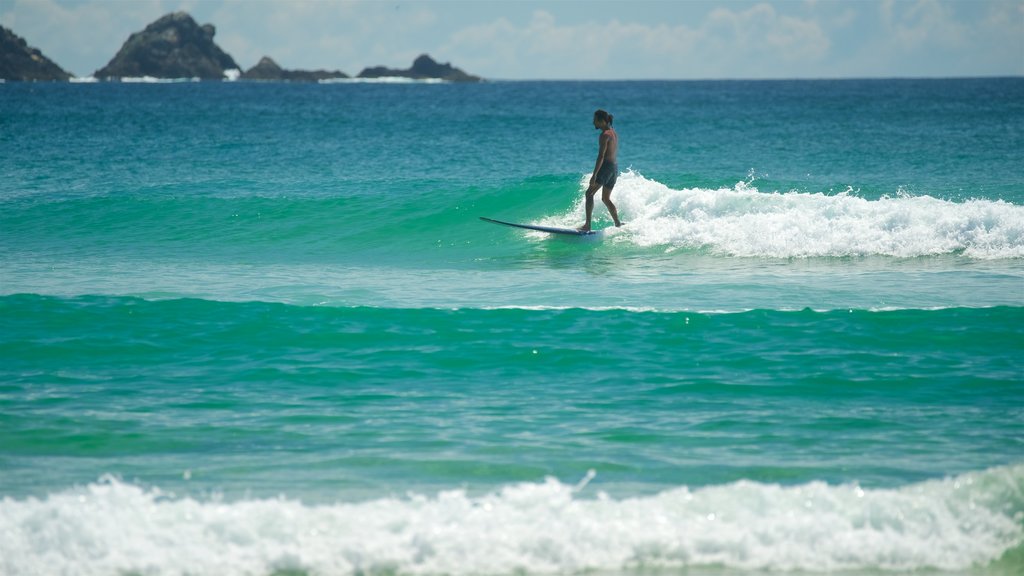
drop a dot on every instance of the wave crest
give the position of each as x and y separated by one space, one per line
743 221
951 524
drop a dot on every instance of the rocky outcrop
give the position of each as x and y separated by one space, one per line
19 61
423 68
174 46
267 69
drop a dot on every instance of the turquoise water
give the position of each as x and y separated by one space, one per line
260 329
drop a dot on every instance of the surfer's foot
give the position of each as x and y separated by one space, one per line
618 224
584 228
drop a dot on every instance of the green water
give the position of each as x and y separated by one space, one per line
404 397
260 328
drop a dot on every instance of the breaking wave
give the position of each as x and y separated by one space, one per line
743 221
965 522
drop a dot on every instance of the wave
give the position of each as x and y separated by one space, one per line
965 522
28 304
737 221
949 348
743 221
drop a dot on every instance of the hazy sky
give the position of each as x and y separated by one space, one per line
564 39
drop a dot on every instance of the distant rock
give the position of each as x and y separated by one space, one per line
19 61
174 46
267 69
423 68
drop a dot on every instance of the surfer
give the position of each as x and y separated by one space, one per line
606 170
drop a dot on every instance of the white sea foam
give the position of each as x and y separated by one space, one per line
110 527
743 221
154 80
383 80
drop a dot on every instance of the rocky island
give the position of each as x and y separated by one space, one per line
423 68
19 61
268 70
174 46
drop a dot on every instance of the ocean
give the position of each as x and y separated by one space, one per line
260 329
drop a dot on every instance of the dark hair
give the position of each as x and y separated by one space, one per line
603 116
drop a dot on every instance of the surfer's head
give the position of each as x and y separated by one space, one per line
602 119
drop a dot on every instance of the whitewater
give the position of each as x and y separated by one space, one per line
549 527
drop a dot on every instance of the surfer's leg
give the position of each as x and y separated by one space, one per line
591 192
606 197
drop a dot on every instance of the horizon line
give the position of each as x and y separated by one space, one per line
406 80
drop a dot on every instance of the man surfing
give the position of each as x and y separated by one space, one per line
606 170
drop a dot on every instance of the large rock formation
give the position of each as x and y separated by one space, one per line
19 61
174 46
423 68
267 69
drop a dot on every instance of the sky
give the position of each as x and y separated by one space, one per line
564 39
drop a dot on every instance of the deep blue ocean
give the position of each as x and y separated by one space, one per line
259 328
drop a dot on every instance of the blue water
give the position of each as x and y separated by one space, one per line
259 328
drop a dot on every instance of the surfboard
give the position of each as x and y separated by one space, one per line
548 229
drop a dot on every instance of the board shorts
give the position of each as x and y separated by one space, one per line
608 174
